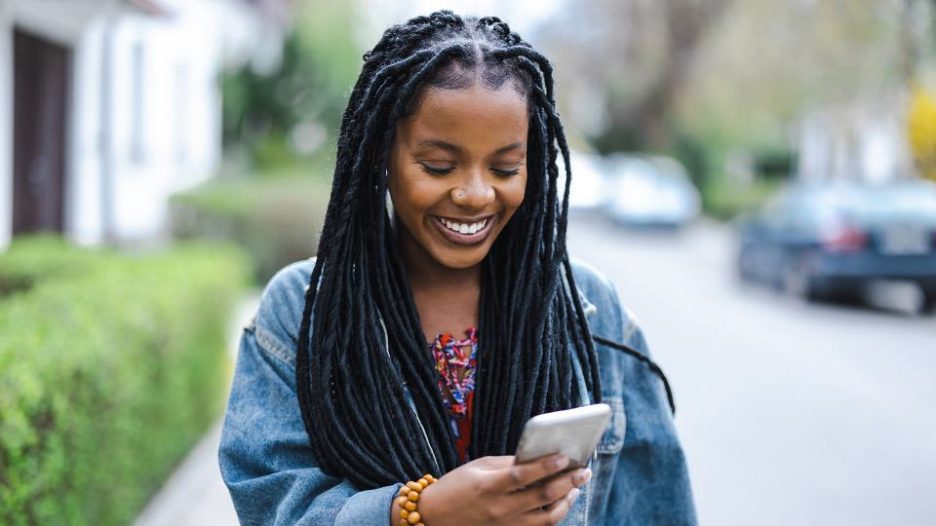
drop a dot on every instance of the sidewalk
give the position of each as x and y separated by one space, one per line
195 495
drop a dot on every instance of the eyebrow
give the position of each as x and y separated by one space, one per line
454 148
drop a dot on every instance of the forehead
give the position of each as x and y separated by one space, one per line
475 116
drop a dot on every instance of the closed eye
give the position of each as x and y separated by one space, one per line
437 169
506 173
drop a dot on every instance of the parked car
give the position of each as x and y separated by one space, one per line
588 181
823 240
650 191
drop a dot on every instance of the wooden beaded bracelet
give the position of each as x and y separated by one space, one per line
409 500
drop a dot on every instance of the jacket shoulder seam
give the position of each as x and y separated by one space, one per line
273 346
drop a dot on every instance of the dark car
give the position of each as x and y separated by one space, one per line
826 240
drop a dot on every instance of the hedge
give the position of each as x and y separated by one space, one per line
111 368
276 220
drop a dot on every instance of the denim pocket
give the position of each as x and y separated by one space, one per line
613 438
604 464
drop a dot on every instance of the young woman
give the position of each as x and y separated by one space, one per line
436 321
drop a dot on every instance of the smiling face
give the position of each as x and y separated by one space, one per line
458 173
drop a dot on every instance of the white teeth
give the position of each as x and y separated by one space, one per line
463 228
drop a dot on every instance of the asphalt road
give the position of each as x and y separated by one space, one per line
789 412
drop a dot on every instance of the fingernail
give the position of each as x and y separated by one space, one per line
574 494
559 461
588 475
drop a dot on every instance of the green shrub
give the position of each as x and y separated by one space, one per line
111 368
724 200
30 261
277 220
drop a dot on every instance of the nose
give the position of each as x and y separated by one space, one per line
473 192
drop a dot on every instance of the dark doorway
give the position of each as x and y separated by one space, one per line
41 84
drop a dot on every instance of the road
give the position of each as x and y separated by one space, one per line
789 412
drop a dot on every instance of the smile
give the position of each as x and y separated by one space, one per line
464 232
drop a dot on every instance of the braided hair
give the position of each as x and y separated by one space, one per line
362 357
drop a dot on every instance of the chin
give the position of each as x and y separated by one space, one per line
461 261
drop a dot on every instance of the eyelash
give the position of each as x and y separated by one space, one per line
446 171
437 171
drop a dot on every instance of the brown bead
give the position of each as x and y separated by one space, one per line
430 478
420 524
409 505
414 486
404 490
404 514
423 482
404 522
401 500
413 496
413 517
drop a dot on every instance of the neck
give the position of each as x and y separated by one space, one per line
425 273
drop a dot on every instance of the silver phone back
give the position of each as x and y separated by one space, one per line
573 432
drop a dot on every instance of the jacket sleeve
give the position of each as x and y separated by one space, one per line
265 458
651 485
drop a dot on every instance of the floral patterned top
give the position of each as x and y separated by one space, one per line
457 362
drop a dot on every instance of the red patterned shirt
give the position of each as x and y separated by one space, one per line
456 362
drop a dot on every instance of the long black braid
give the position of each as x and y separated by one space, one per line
366 352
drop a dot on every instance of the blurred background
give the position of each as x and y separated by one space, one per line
757 177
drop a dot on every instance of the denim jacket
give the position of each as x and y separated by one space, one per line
639 471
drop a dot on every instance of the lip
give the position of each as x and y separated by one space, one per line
466 239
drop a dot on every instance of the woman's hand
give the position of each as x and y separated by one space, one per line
493 490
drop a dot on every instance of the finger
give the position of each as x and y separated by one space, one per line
538 496
523 475
494 462
555 512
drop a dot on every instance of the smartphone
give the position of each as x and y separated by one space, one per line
573 432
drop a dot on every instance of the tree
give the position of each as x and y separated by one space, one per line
319 64
640 53
767 63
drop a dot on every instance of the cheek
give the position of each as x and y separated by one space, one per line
411 195
513 193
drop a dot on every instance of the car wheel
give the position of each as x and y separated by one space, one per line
928 306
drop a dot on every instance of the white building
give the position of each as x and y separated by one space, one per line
865 140
112 105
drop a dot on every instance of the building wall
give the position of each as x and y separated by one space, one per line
865 140
6 124
167 130
146 109
85 215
